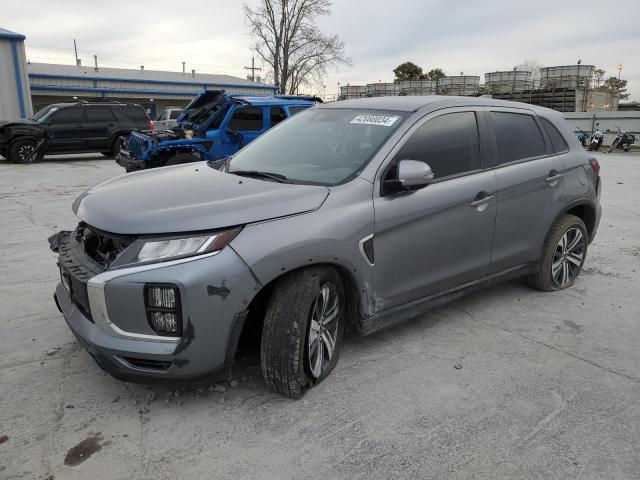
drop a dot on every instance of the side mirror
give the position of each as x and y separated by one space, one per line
412 175
235 136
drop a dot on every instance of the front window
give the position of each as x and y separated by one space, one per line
326 146
43 113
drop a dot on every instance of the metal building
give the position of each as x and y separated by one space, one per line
15 98
418 87
155 90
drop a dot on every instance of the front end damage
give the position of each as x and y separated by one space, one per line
150 149
108 307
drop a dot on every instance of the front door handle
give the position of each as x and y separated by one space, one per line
481 203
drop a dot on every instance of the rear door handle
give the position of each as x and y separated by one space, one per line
553 177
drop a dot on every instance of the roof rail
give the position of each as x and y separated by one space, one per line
309 98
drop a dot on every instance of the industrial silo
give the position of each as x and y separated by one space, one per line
15 96
417 87
507 81
382 89
465 85
566 76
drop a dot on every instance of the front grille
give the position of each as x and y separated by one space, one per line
103 248
83 254
138 144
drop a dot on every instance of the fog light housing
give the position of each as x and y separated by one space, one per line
162 303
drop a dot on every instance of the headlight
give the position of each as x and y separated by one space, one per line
174 247
156 250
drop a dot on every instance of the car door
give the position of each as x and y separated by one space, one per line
65 130
245 124
100 123
530 187
434 239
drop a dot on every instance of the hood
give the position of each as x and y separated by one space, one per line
203 109
190 197
21 121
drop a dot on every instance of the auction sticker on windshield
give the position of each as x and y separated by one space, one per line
375 120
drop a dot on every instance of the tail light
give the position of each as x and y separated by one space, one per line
595 165
151 124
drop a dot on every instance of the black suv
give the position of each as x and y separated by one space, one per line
74 127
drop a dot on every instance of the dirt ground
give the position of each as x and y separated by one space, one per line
548 384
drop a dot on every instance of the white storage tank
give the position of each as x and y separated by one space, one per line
507 81
15 95
382 89
464 85
348 92
417 87
566 76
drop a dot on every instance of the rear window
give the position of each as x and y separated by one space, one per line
557 140
99 114
518 136
294 110
247 119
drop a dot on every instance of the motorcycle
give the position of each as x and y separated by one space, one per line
582 137
597 137
623 141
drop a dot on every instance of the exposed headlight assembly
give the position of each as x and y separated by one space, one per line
153 250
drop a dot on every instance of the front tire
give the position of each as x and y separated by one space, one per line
21 151
613 146
302 331
563 255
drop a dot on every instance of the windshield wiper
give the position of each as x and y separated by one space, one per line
276 177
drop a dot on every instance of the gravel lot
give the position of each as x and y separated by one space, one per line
548 386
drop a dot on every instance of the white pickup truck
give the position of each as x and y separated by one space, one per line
167 118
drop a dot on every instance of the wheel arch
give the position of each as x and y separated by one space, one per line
353 294
584 210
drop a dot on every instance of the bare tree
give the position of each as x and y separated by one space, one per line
533 66
598 73
286 38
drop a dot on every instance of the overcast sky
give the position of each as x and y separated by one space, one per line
464 36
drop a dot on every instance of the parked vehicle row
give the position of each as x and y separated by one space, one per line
71 127
358 214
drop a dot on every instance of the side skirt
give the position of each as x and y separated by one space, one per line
401 313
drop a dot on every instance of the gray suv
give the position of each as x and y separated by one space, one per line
351 215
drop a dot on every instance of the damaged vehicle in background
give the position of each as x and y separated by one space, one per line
213 126
71 127
376 211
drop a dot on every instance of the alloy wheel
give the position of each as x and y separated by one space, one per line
323 329
25 151
568 257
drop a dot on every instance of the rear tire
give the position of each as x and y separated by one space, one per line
21 151
115 147
563 255
291 328
613 146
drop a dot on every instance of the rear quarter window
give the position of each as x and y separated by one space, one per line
557 140
518 136
135 115
294 110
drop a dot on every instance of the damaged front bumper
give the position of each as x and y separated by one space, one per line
112 325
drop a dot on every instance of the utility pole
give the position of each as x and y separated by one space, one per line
253 69
183 63
75 49
619 67
95 61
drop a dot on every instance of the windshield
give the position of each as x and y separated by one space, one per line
323 146
41 114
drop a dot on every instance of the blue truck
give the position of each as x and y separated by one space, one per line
213 126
